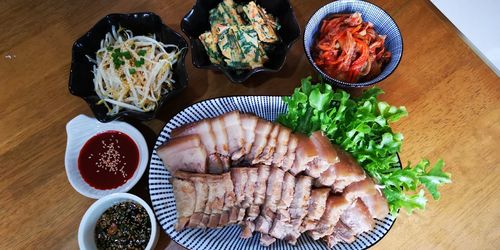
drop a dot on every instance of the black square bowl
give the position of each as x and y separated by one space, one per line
81 77
195 22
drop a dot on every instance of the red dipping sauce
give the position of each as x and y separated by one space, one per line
108 160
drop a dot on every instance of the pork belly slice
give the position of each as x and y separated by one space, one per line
335 207
267 153
204 130
287 191
298 207
358 218
201 128
216 193
317 205
261 187
282 227
253 175
240 177
262 131
184 193
326 157
221 141
273 195
184 153
274 186
224 219
213 220
327 178
234 132
290 153
248 123
372 197
266 240
304 154
229 196
201 193
347 170
281 146
340 233
247 229
344 232
196 220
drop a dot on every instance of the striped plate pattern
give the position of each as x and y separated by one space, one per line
162 197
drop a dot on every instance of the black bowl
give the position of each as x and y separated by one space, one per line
195 22
81 77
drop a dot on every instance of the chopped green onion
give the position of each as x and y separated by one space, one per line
142 52
131 71
127 55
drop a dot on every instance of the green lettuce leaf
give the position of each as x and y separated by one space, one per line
361 126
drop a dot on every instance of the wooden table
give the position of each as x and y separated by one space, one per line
453 99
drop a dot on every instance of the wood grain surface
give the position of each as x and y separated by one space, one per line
453 99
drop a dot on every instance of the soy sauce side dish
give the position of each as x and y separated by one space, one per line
125 225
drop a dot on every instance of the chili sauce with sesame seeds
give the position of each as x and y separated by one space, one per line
125 225
108 160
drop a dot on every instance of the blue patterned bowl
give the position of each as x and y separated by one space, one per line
383 24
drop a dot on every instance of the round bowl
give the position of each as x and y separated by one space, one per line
81 81
195 22
383 24
86 230
79 130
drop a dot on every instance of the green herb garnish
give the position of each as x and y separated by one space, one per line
139 63
361 127
131 71
142 52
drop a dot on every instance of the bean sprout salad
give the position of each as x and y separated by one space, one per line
132 72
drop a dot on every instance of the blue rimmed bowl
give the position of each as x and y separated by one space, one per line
383 24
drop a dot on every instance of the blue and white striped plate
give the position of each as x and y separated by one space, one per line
162 196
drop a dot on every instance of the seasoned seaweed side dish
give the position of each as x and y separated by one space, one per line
125 225
241 36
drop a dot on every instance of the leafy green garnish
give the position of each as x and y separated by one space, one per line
361 127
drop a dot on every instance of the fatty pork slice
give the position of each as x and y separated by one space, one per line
184 193
344 232
298 207
215 202
262 131
281 147
340 233
239 178
371 196
201 197
358 218
290 153
248 123
335 207
229 199
282 227
267 153
273 195
253 175
347 171
304 154
204 130
317 205
221 141
326 158
184 153
235 134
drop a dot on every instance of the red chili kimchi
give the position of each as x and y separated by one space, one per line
349 49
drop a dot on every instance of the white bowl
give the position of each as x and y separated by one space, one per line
80 129
86 234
